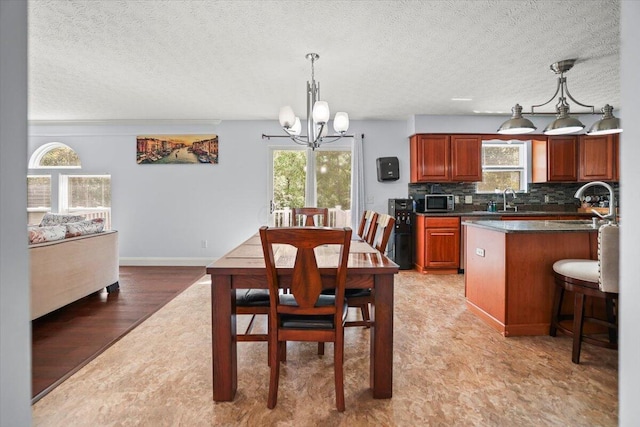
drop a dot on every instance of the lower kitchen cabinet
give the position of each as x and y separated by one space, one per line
437 244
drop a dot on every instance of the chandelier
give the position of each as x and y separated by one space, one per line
564 123
317 117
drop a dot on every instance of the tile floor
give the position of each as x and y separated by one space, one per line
449 369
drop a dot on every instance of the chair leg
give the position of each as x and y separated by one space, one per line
321 349
557 307
364 308
578 321
338 363
274 362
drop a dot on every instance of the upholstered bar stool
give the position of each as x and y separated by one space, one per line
594 279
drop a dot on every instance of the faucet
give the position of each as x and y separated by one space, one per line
611 216
504 199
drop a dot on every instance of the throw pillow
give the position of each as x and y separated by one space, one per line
80 228
58 219
46 234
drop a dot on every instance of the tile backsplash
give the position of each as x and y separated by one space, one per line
560 195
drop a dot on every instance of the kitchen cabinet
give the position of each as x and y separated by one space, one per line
437 244
598 156
555 159
445 158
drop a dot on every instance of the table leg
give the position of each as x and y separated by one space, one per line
223 329
381 353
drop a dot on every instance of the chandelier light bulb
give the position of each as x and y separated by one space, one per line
297 127
341 122
321 112
287 117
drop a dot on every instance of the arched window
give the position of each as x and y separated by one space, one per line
54 155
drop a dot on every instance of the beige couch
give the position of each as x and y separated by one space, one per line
64 271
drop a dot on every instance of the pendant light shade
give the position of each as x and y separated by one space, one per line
564 124
287 117
607 125
341 122
321 112
516 124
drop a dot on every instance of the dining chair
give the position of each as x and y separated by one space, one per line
362 298
373 228
306 314
309 214
589 278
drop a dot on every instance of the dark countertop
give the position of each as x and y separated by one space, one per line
535 226
523 213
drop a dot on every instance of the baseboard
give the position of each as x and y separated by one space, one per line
170 262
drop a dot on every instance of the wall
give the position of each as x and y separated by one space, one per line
163 212
15 335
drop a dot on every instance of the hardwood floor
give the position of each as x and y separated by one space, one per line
67 339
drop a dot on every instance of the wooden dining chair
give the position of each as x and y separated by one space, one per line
362 298
309 215
373 228
589 278
306 314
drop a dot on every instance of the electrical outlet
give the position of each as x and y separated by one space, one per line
456 199
204 244
468 200
480 252
546 198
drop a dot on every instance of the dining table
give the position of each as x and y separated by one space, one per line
244 268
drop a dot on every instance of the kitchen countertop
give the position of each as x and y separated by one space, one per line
535 226
523 213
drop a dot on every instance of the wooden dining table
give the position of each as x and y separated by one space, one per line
243 267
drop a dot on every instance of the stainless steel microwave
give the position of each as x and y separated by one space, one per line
439 203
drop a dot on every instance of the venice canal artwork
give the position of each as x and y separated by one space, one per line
177 149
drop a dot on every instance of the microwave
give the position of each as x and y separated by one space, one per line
438 203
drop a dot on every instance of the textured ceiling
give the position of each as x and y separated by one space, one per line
230 60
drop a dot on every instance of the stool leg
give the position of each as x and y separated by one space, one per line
557 306
578 317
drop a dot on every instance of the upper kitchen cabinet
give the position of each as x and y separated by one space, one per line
442 158
598 158
555 159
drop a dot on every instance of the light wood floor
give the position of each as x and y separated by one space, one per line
449 369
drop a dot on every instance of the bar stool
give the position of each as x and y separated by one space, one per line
589 278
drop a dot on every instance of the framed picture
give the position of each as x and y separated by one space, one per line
177 149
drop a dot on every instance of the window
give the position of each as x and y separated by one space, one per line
89 195
504 165
331 183
38 197
54 155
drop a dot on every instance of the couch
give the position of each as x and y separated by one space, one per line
67 269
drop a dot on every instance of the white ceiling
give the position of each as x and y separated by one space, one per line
239 60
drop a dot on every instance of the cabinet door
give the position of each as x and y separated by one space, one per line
430 158
616 157
596 158
442 247
562 158
465 158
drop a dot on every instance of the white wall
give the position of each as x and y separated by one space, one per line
15 336
629 372
163 212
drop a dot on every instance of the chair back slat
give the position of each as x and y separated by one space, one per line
373 227
383 232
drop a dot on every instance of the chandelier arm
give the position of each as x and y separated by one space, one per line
593 111
550 99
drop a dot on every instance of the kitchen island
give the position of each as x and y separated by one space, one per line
508 276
